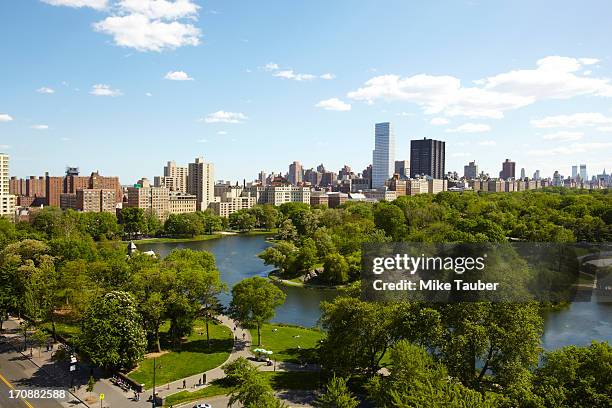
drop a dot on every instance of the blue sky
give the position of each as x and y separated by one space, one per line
125 85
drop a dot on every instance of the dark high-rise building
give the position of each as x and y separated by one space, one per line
427 157
508 170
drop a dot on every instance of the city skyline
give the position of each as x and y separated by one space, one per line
238 94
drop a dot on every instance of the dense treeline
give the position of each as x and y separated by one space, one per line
453 355
329 240
52 271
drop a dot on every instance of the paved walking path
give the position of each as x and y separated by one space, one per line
115 397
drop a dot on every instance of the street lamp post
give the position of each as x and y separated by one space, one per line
154 399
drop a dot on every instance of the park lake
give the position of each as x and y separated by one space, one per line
236 257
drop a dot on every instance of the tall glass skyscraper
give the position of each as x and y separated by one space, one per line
383 156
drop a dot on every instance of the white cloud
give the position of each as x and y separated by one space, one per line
222 132
605 129
470 128
487 143
563 136
178 76
439 94
5 146
290 74
277 72
148 94
572 121
225 117
143 34
39 127
5 118
334 104
45 90
271 66
460 154
95 4
104 90
573 148
438 121
160 9
64 139
553 78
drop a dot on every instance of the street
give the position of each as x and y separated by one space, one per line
19 373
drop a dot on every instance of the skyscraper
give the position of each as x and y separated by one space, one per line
508 170
536 175
402 167
295 173
470 172
201 183
383 156
574 172
7 200
427 157
583 172
177 175
522 173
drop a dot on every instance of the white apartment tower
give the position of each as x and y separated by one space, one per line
383 156
200 183
7 201
178 175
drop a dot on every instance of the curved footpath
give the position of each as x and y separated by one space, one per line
115 397
241 349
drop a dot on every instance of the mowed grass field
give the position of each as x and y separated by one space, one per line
193 357
288 343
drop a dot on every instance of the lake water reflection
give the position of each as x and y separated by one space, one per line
237 259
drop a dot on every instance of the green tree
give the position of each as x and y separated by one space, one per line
336 395
153 225
576 377
90 384
242 220
335 269
287 231
237 370
358 335
210 221
503 337
390 218
194 290
254 301
416 380
254 391
283 256
133 221
307 256
269 217
100 225
111 334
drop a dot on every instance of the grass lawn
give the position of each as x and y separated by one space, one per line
286 380
284 341
194 355
64 329
217 387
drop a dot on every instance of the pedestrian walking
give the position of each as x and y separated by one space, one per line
184 384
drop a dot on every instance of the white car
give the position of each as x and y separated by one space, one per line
202 406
